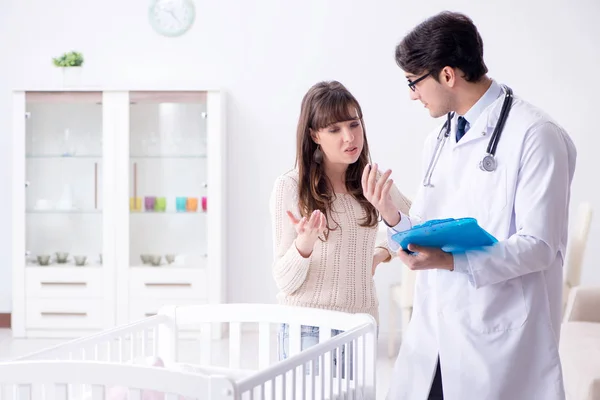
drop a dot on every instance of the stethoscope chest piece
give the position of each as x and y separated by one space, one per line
488 163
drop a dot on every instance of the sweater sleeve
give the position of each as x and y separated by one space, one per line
289 267
403 205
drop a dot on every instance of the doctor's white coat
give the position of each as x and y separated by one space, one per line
497 331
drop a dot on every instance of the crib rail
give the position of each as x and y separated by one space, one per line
312 375
340 365
66 380
120 344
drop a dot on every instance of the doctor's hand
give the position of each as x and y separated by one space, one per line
308 231
426 258
377 192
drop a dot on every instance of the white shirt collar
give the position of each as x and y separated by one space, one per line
489 97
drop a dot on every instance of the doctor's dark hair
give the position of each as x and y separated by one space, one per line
324 104
447 39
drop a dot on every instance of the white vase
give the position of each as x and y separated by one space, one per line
71 76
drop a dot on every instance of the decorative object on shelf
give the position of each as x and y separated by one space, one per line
43 259
170 258
180 203
192 204
135 203
66 198
171 18
204 203
42 205
161 204
80 260
149 203
62 257
155 260
145 258
71 64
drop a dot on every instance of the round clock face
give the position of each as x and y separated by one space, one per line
172 17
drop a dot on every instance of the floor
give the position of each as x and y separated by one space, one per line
10 347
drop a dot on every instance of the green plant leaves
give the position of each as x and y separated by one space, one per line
70 59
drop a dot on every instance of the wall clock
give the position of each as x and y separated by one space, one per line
171 17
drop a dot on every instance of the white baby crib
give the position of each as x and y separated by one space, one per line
173 356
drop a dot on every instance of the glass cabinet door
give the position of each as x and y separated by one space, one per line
63 169
167 179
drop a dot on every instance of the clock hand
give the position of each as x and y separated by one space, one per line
171 12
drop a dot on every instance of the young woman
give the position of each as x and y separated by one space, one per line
324 228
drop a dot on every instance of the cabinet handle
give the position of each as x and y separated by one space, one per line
135 183
63 283
96 185
63 314
168 284
149 314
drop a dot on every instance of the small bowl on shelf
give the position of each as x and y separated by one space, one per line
170 258
145 258
61 257
43 259
80 260
155 260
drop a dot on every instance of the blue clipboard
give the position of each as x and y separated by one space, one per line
451 235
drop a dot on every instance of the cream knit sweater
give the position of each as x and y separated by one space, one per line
337 275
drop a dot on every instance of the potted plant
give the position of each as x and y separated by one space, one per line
71 64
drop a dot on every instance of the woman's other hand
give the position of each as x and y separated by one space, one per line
308 231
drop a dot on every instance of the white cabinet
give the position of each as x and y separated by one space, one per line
118 206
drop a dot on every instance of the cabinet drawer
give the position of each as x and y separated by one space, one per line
168 283
64 282
65 313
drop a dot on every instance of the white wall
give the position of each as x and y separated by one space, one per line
266 54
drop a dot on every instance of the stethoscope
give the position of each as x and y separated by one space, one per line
488 163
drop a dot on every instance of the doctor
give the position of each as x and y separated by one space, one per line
485 323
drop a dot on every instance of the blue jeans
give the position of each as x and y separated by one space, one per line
309 336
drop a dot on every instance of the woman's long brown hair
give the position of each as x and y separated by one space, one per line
324 104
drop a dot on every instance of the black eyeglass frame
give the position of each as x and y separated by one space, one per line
412 84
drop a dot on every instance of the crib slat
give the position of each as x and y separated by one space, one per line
97 392
264 345
60 391
134 394
120 349
23 392
145 343
339 369
205 345
234 344
132 343
155 341
347 368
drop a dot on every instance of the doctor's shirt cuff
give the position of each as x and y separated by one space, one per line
461 265
404 225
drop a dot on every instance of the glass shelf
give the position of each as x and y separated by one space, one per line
64 211
169 212
71 265
169 157
63 156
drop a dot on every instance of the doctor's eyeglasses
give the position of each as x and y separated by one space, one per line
412 84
